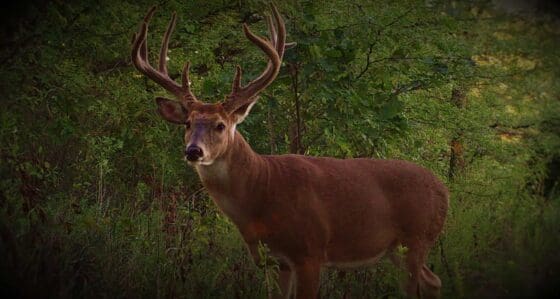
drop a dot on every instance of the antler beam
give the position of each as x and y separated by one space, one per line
160 76
274 49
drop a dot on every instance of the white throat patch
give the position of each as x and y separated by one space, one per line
212 170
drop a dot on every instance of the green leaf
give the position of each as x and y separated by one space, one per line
391 109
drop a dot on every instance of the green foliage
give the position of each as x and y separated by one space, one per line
96 201
270 268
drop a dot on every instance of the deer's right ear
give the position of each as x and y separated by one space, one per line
172 111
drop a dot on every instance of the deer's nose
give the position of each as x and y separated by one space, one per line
193 153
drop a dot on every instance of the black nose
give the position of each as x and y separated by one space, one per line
193 153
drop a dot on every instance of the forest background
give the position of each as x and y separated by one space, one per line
96 201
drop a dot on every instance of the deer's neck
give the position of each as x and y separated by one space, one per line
234 180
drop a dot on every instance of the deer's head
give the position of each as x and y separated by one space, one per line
209 127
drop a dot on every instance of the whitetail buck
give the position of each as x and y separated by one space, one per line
309 211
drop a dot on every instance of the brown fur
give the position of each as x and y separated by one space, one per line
322 211
311 212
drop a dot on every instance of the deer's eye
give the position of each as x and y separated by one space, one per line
188 125
220 127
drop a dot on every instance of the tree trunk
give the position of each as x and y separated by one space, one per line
457 160
296 146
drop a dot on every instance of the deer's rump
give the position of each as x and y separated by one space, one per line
354 210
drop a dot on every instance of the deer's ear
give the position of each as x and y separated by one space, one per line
172 111
242 112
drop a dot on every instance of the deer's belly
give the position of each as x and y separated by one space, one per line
355 263
362 246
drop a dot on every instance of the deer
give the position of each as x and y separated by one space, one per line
311 212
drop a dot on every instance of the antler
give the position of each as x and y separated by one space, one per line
274 49
160 76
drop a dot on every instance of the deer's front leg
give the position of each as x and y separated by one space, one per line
285 282
307 279
285 275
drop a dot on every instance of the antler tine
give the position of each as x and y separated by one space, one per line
260 42
165 44
274 49
271 30
236 86
144 30
160 76
185 75
281 35
187 83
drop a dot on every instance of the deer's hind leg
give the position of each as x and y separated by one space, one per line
430 284
421 282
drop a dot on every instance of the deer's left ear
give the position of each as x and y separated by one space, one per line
240 113
172 111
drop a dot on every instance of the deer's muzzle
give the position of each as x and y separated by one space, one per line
193 153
